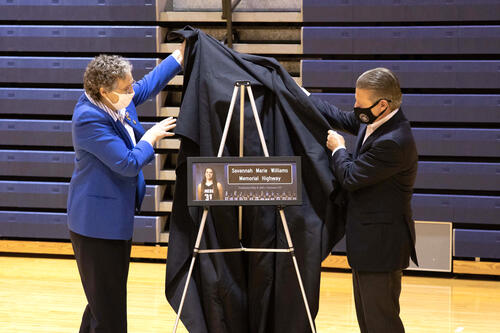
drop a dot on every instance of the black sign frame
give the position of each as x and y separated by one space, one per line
287 199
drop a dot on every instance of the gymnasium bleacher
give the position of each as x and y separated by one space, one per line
446 54
422 74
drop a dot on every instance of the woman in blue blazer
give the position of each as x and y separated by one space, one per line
107 186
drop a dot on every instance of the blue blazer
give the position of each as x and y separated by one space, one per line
107 185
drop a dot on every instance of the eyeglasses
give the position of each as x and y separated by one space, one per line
128 88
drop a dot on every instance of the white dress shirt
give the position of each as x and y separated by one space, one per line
372 128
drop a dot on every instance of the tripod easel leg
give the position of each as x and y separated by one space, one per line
242 143
290 245
228 121
193 259
257 121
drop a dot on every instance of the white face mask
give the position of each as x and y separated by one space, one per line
123 100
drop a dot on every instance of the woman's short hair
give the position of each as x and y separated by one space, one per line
104 71
383 83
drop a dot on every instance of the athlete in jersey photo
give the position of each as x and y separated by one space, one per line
209 188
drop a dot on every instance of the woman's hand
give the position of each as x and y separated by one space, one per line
160 131
181 49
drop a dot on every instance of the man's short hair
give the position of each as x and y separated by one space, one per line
383 83
104 71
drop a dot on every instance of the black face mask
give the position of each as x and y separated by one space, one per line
366 116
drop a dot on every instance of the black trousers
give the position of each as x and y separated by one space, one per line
376 295
103 265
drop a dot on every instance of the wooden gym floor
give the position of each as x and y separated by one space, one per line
45 295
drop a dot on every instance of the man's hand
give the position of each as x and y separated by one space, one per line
334 140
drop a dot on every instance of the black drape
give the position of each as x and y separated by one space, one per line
242 292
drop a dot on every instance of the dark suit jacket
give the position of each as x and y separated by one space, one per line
379 178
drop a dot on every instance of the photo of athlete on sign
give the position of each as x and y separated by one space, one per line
209 188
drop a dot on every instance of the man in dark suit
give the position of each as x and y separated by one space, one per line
378 178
